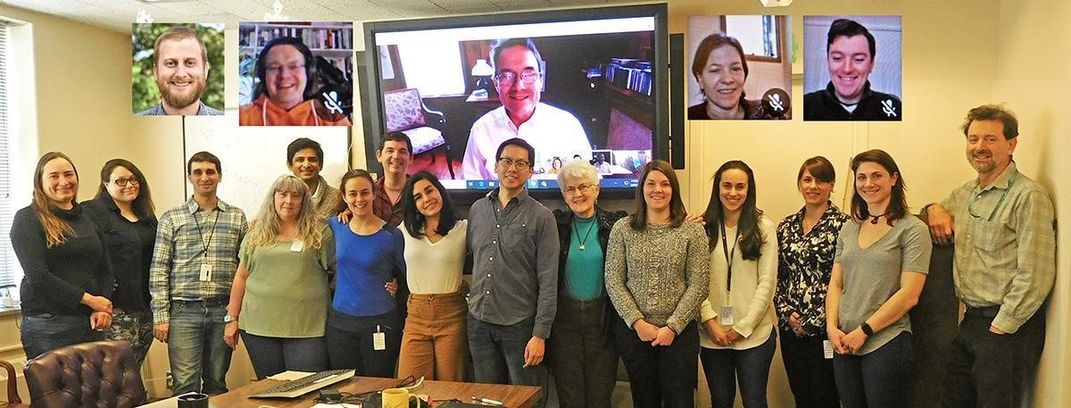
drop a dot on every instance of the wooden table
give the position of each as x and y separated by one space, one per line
513 396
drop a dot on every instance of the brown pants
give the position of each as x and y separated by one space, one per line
434 344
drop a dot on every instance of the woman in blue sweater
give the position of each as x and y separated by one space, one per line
364 328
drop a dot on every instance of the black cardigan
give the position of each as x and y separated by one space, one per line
564 218
129 246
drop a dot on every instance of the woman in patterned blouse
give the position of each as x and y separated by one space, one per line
807 240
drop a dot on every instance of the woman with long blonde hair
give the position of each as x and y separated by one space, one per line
67 279
279 298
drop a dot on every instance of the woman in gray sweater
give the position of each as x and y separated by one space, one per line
656 276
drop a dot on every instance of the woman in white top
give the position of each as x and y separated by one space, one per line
434 341
738 315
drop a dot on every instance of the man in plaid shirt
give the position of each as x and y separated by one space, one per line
193 265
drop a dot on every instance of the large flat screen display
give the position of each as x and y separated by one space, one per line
583 84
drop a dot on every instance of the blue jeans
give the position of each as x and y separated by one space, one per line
876 379
199 357
498 354
751 367
273 355
45 332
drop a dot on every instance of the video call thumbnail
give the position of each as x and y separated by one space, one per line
740 67
177 69
852 68
295 74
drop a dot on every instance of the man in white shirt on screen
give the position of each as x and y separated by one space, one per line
519 81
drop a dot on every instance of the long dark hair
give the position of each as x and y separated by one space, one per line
676 205
142 205
412 218
897 203
748 227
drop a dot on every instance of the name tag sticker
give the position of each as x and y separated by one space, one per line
297 246
827 349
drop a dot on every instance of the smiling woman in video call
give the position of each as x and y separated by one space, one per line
720 68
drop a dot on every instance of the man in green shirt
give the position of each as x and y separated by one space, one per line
1003 226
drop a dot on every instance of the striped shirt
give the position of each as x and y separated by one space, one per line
1005 246
186 238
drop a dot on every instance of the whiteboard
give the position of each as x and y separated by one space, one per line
252 157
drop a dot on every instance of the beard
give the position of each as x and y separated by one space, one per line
179 100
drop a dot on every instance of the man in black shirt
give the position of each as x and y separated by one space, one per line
850 50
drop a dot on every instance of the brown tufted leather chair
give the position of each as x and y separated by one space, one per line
89 375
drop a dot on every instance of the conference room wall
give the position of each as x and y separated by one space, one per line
957 54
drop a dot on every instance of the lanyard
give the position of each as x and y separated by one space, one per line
728 257
970 203
211 232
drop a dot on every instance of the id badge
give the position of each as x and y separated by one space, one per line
827 349
297 246
726 316
379 340
206 272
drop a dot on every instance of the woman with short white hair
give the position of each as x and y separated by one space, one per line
582 355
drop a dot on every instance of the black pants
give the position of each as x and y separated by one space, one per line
878 379
663 376
988 370
810 374
350 343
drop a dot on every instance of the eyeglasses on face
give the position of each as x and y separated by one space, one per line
506 162
506 78
127 181
582 188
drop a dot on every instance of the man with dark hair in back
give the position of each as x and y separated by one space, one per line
193 265
519 81
305 158
850 52
514 244
180 66
1003 226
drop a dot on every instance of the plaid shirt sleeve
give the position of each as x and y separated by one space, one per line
159 280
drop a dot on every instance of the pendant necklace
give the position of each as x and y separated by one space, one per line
874 218
586 234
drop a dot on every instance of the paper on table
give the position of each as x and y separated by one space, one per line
290 375
336 406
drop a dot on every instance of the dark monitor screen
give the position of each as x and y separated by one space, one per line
582 84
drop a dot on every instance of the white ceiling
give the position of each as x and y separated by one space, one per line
117 15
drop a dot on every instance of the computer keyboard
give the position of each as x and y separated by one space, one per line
304 385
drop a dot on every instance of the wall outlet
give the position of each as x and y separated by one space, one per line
170 381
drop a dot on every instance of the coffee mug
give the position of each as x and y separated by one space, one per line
397 398
193 400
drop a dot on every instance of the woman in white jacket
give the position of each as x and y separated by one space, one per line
738 316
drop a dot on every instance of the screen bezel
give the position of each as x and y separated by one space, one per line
371 97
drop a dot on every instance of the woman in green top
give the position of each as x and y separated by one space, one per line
281 284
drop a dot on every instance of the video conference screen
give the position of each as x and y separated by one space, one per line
575 89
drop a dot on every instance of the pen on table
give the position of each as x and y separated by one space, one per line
487 401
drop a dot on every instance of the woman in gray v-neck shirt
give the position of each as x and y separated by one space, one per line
879 270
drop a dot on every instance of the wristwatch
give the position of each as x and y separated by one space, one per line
866 329
229 318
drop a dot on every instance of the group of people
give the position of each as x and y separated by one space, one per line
369 276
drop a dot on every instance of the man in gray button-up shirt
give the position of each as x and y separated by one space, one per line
1005 265
514 244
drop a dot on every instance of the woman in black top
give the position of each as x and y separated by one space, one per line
123 211
67 278
807 240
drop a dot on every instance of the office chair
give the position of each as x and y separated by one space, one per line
88 375
406 113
